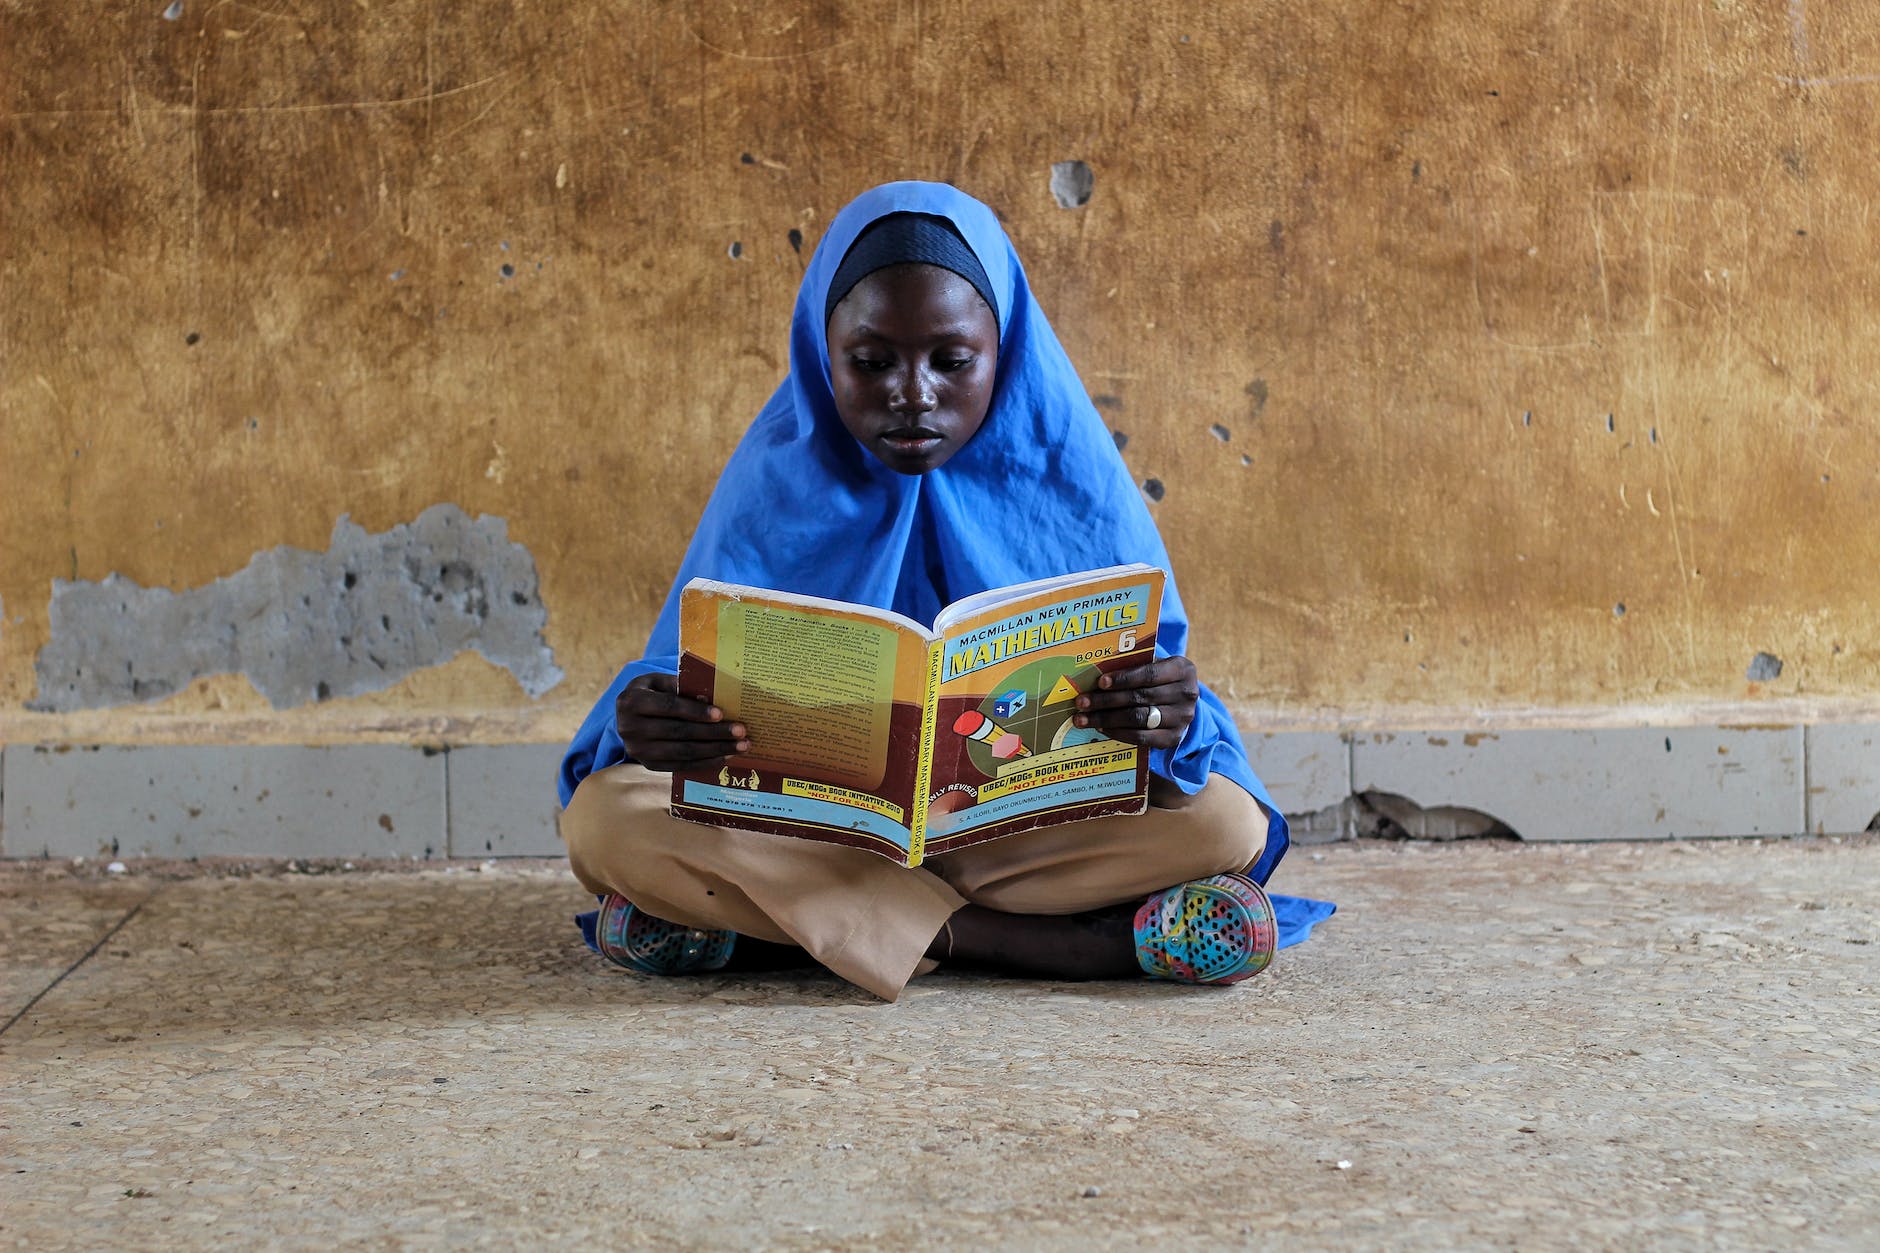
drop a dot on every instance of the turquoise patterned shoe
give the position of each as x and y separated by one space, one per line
635 939
1215 930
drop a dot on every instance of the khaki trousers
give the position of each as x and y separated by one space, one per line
858 913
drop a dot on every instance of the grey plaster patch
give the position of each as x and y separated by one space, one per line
307 626
1071 184
1843 777
1763 667
1621 784
503 801
366 800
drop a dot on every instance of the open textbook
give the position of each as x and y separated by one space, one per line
871 730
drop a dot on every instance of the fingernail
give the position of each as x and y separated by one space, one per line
714 713
1081 721
1104 682
739 731
1083 702
744 746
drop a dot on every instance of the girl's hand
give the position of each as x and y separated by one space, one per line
665 731
1149 705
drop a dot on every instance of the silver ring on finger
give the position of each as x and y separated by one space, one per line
1154 719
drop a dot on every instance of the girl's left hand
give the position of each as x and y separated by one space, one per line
1150 705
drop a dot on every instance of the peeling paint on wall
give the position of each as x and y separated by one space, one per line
306 626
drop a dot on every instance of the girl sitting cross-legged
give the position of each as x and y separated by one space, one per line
926 394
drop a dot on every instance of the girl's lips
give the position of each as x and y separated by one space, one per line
917 439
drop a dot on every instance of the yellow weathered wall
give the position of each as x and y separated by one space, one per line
1410 256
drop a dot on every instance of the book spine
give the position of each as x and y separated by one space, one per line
923 770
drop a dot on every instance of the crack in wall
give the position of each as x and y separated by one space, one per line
1387 816
307 626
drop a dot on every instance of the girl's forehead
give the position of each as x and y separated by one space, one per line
911 289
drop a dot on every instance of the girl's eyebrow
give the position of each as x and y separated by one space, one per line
956 331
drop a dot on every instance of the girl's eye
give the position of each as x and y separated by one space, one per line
953 363
869 365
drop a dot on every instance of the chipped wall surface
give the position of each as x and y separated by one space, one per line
305 626
1477 363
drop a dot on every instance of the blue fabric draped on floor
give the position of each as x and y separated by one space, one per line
1297 915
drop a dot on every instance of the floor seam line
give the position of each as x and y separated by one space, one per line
89 954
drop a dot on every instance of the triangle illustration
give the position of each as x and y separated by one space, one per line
1061 691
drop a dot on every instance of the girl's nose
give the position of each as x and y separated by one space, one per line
913 393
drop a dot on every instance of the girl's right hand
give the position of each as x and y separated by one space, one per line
665 731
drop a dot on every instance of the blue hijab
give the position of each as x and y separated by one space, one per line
803 507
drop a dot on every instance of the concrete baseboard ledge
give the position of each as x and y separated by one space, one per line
1607 782
270 800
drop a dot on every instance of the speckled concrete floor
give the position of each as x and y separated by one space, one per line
1492 1045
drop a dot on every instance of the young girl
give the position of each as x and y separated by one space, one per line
930 414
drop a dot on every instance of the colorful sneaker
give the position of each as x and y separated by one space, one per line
635 939
1215 930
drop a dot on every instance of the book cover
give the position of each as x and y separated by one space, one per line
871 730
1008 756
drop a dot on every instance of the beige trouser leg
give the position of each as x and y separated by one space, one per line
859 914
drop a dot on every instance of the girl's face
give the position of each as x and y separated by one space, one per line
912 354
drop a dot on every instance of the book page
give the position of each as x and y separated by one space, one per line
833 696
815 690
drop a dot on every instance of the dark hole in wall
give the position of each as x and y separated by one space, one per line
1257 390
1071 184
1388 816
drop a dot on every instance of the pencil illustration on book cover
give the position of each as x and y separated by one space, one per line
872 730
